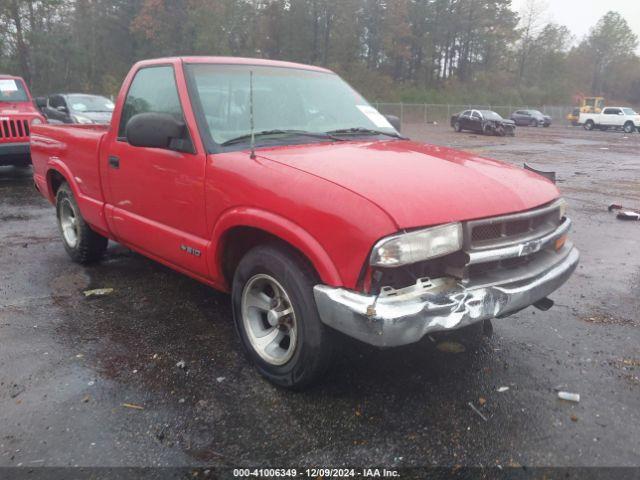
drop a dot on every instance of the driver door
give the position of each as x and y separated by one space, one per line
476 121
156 195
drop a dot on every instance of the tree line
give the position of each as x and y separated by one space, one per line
437 51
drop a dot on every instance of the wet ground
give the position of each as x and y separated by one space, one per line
94 381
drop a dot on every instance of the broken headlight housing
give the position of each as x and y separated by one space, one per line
417 246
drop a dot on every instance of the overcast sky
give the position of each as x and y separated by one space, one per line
581 15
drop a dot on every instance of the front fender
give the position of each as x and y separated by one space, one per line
278 226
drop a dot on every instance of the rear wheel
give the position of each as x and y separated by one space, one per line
589 125
81 243
276 316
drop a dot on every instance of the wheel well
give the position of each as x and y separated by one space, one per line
239 240
55 180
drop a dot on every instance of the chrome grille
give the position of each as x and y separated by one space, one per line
511 229
14 129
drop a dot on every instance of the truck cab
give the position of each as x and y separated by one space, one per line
17 114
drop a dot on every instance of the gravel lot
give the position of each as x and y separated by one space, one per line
69 364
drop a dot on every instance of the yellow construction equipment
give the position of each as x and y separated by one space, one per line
587 105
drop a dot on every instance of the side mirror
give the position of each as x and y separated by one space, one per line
41 102
158 130
394 121
62 109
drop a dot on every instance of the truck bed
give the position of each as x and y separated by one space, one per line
74 150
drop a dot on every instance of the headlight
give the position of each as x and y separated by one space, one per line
36 121
81 119
417 246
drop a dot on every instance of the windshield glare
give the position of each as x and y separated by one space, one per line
12 90
629 111
89 103
489 115
283 99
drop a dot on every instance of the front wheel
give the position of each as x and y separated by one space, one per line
629 127
276 316
81 243
457 127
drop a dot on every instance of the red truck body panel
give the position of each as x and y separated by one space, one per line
330 201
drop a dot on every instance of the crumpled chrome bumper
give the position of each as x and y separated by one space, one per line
400 317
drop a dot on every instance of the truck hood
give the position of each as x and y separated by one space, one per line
417 184
24 109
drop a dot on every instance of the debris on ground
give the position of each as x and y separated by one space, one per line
181 364
133 406
98 292
624 213
574 418
482 401
221 379
450 347
502 389
568 396
477 411
86 399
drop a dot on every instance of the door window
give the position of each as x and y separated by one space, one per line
153 90
476 115
466 113
57 101
611 111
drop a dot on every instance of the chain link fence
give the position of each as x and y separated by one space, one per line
441 113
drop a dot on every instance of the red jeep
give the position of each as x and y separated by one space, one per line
17 114
279 183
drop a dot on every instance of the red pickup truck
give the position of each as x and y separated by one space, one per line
17 114
279 183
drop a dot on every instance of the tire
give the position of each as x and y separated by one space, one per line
629 127
456 127
589 125
280 272
81 243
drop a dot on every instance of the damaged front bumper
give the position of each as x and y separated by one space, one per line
402 316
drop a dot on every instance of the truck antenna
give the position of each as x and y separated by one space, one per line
251 124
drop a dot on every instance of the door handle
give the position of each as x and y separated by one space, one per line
114 162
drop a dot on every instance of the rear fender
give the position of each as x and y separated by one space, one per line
92 210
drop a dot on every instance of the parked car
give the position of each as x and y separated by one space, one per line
483 121
17 114
280 184
77 108
612 117
531 118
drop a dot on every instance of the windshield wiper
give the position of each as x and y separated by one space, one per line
363 131
264 133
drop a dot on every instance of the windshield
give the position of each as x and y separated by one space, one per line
629 111
285 99
489 115
12 90
89 103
